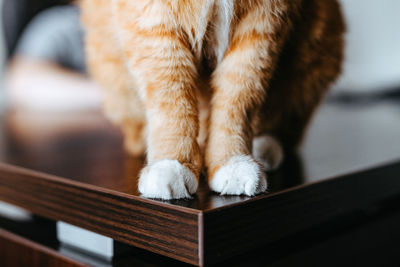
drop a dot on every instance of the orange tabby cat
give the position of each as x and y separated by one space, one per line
235 81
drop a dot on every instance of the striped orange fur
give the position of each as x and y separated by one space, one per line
198 81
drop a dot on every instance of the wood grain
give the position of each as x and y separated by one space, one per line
271 218
16 251
75 170
161 228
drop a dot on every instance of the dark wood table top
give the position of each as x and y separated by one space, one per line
87 148
81 154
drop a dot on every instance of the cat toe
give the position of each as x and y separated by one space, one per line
240 176
167 179
268 151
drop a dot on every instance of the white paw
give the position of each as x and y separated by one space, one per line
241 175
167 179
268 151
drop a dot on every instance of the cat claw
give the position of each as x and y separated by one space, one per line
167 179
240 176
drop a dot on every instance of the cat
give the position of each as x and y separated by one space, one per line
221 85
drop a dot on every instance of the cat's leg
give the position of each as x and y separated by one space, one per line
164 66
268 151
174 158
231 168
239 91
106 65
311 62
124 108
121 101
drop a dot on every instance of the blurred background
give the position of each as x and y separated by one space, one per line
41 55
372 45
372 50
42 43
2 60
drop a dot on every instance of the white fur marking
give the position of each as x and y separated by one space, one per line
268 151
241 175
224 14
167 179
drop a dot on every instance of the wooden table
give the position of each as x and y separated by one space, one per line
73 168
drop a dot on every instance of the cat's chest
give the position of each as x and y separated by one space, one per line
213 40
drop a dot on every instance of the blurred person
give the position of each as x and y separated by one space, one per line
47 70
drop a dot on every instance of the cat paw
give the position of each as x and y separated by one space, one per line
268 151
167 179
240 176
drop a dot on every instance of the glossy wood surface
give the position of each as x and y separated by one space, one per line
16 251
86 148
166 230
85 178
366 238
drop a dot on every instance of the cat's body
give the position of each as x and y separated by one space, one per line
229 81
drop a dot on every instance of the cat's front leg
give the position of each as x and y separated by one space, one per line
232 170
164 68
173 154
239 83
